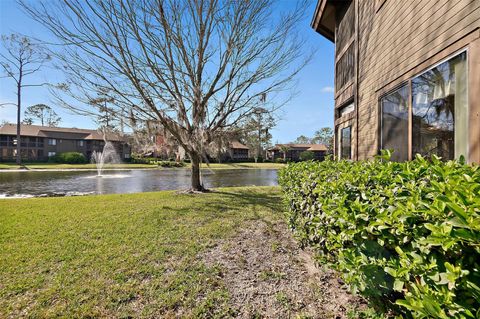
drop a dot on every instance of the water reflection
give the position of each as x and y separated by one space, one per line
51 183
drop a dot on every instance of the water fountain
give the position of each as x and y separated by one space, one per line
107 155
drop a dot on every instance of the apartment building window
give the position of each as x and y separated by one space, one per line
438 118
344 137
4 140
346 109
394 123
81 143
52 141
50 154
440 110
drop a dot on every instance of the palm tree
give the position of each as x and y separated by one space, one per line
284 149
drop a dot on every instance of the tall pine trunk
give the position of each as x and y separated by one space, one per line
18 159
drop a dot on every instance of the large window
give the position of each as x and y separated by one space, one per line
439 107
346 143
394 125
439 113
52 141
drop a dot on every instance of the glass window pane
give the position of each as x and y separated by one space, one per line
346 146
440 110
346 109
394 131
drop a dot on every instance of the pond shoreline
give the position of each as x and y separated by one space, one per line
77 169
77 182
122 167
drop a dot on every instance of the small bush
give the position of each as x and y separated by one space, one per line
170 164
68 158
157 161
279 160
406 235
139 160
144 160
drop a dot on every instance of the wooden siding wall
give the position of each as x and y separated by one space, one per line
400 40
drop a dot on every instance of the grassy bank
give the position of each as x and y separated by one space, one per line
121 255
243 165
55 166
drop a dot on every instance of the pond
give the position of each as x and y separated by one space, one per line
68 183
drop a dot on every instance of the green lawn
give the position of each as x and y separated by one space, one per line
135 166
121 255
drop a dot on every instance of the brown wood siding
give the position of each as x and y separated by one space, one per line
396 40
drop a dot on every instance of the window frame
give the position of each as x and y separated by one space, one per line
408 83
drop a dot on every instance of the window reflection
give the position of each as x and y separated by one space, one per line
346 143
439 106
395 123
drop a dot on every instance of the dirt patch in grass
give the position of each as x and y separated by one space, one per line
268 276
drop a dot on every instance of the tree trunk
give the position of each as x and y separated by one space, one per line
196 182
19 100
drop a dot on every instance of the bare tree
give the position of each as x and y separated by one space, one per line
20 58
196 67
44 113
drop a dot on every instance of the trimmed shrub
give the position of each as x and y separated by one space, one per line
157 161
68 158
279 160
169 164
405 235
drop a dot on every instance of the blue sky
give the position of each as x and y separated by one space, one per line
311 109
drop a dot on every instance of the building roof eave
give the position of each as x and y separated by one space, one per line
323 20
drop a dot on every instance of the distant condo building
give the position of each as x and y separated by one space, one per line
38 143
291 152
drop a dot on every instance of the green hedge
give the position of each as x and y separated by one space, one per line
68 158
405 235
169 164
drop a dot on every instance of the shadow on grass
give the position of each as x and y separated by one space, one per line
223 204
270 200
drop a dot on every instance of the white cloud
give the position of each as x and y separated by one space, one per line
328 89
